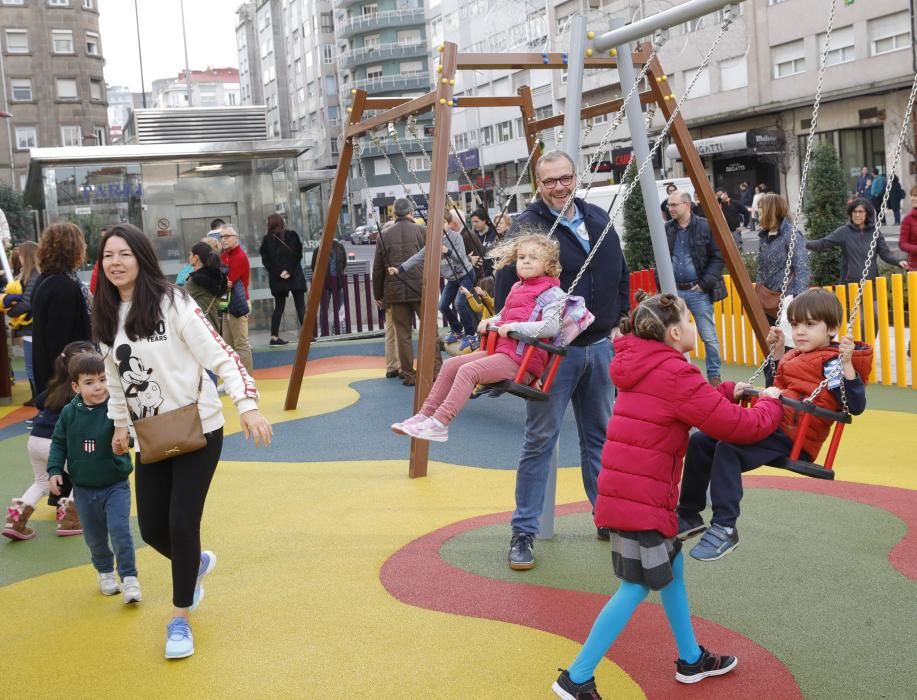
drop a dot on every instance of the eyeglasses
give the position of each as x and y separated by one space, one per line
551 182
227 235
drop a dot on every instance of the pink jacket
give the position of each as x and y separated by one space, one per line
660 397
520 302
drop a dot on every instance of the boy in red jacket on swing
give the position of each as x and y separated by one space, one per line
815 317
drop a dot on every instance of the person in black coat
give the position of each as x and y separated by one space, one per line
281 255
61 303
335 281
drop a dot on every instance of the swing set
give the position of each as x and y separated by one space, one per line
390 110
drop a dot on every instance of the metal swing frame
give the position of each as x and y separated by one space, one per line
441 101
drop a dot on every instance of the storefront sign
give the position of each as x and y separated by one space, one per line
113 191
755 140
469 159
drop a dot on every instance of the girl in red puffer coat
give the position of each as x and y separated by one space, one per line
661 396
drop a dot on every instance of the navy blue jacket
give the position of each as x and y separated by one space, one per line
705 254
605 286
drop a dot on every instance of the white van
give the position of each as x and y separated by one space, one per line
604 196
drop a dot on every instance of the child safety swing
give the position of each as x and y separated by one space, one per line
806 409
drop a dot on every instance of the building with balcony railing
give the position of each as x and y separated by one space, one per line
382 48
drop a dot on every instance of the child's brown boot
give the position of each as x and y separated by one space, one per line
68 520
17 518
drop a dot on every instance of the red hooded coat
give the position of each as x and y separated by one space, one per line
660 397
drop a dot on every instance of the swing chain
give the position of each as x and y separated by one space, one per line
724 26
393 132
810 141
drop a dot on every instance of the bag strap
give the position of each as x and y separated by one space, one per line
210 306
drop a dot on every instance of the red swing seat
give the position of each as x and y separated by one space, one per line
793 462
538 389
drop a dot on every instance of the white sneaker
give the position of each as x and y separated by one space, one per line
108 583
130 587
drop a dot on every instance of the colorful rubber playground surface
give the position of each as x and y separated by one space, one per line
340 577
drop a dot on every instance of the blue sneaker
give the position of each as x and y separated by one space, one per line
470 343
179 641
717 542
453 337
208 564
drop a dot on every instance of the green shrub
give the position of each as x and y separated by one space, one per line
825 209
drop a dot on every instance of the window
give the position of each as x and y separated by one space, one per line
26 137
889 33
382 167
327 22
418 164
692 26
92 44
370 42
59 3
599 119
789 59
17 41
21 88
331 85
95 90
300 95
334 147
543 112
13 2
71 136
369 10
374 72
62 40
733 73
702 86
504 131
487 135
520 130
334 115
99 131
88 4
66 89
409 37
460 141
328 54
411 67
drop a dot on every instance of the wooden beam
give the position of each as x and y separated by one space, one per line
531 132
436 207
460 101
532 61
324 255
418 104
595 110
695 169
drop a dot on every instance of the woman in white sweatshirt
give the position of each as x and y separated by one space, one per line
157 345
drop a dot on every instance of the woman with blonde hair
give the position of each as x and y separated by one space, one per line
19 311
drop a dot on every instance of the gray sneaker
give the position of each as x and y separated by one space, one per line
522 551
716 543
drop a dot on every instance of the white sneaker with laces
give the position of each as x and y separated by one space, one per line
108 584
413 420
130 587
430 429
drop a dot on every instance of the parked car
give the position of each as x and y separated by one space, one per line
361 235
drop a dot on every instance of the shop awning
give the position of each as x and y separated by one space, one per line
754 140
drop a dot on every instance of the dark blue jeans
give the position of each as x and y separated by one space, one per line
105 513
720 465
463 321
582 379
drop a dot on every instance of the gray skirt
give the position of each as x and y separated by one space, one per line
644 557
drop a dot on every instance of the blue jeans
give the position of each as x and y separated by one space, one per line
583 379
105 512
701 308
463 321
27 356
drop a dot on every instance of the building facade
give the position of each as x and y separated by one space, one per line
53 86
213 87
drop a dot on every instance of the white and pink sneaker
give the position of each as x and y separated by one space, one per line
430 429
399 427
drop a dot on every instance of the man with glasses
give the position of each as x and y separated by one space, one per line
235 328
698 266
582 377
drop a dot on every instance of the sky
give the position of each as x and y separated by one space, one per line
210 26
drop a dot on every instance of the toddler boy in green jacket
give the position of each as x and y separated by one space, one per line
82 440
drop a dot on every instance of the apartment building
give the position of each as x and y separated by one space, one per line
213 87
53 88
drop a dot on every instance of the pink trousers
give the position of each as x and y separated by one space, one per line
458 378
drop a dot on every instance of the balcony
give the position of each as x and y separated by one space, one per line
410 16
347 3
409 144
393 83
382 52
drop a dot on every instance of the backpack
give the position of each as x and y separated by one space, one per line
574 319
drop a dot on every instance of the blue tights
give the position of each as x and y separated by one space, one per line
618 611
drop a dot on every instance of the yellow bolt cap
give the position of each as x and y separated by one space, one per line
442 47
449 103
445 81
613 52
589 53
442 100
439 69
590 35
350 109
451 81
353 92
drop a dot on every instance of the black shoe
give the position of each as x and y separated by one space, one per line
392 373
603 534
409 381
568 690
278 341
522 551
707 665
690 526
